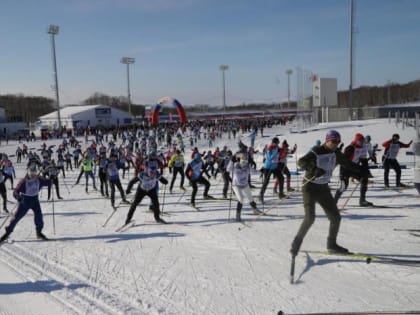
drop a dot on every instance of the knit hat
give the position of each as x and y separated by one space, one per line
333 135
197 156
358 137
275 140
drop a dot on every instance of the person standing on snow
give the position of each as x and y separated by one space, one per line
112 170
239 171
26 192
284 153
87 167
148 179
272 165
354 152
194 172
392 147
52 172
177 164
319 165
3 192
8 169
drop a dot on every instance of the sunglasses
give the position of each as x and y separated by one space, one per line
336 141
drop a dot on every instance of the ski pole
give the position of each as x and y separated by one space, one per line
65 185
307 182
8 215
351 194
163 199
109 218
4 221
292 270
53 211
230 201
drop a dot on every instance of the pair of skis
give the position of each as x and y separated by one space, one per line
368 258
263 213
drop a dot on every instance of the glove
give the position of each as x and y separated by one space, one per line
163 180
318 172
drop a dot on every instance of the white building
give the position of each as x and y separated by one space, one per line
80 116
324 92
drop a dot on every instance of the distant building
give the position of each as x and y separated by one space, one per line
2 114
324 92
80 116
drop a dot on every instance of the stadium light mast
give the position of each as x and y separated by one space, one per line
53 30
223 68
351 60
288 72
127 61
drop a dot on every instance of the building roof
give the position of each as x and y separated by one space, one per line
69 111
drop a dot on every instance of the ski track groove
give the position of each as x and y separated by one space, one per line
91 297
156 296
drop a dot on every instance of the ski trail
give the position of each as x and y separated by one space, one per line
79 293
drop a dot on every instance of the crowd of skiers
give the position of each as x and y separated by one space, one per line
103 159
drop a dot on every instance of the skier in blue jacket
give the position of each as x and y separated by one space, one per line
26 192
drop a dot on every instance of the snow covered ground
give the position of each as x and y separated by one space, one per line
206 263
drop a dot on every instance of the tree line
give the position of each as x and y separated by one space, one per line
19 107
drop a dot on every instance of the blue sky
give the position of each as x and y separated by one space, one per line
179 44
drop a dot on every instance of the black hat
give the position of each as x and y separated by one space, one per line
275 140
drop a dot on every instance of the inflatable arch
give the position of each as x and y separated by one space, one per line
168 100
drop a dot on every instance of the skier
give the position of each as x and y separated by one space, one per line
147 187
392 147
194 173
223 163
112 168
87 166
272 166
239 170
319 165
3 192
177 163
26 192
283 159
52 173
103 179
8 169
353 152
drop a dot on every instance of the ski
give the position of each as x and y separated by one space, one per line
215 198
377 206
161 222
371 258
415 234
244 225
195 207
121 203
266 211
356 313
407 230
8 241
399 189
292 270
126 226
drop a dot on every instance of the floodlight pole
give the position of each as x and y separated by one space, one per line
288 72
351 60
223 68
127 61
53 30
